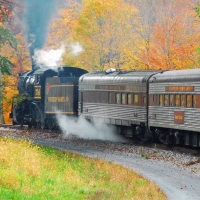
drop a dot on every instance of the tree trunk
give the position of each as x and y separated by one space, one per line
1 101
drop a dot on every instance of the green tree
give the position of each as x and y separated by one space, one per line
6 38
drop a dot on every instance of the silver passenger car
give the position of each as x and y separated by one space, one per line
174 105
118 98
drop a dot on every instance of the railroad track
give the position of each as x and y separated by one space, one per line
53 133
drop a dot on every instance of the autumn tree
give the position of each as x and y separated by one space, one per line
197 9
103 29
6 37
175 37
145 30
13 53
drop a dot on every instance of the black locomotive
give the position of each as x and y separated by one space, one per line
149 105
43 92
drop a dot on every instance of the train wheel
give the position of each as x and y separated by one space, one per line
30 125
38 125
170 140
42 125
50 124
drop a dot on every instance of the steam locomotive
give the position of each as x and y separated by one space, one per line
43 92
149 105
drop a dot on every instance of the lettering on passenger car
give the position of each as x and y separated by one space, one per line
179 88
110 87
179 117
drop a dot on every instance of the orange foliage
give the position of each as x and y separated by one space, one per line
175 38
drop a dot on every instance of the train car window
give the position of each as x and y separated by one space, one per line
161 100
171 100
189 101
109 97
194 101
183 100
129 99
166 96
85 96
136 98
118 98
97 97
124 99
144 100
177 100
155 98
103 96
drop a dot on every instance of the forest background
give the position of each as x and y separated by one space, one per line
122 34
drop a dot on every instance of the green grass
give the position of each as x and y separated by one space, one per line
34 172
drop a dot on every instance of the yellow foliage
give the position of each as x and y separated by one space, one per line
103 28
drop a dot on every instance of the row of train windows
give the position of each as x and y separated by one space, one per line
125 99
178 100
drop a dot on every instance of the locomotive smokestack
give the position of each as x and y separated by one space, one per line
39 14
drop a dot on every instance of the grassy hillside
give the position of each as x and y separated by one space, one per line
28 171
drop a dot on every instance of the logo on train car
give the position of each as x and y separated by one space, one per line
37 92
179 117
179 88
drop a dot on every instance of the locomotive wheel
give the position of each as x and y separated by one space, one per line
42 125
50 124
34 124
30 125
38 125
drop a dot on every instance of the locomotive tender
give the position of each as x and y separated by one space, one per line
149 105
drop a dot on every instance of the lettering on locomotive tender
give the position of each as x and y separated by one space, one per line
179 117
58 99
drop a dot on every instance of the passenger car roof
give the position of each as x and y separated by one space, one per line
176 76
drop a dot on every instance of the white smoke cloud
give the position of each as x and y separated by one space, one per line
76 49
50 58
81 128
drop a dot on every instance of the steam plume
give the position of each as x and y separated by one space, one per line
50 58
39 14
76 49
84 129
